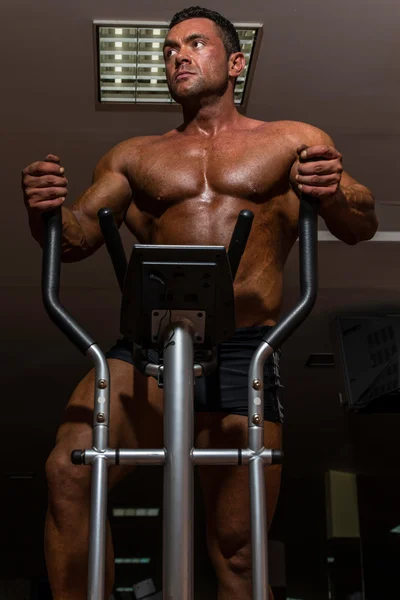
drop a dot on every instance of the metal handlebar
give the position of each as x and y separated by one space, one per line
308 259
114 245
239 239
51 269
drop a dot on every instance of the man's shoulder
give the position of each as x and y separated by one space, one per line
134 144
124 153
130 147
302 133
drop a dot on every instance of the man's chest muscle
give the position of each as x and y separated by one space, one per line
236 168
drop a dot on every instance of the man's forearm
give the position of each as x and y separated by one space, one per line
74 244
350 215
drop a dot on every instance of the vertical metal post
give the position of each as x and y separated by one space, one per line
259 534
98 530
178 469
258 503
98 506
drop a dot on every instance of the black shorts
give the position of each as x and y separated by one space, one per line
225 390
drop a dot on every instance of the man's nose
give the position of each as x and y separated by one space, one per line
182 57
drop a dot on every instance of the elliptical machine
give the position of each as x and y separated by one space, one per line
178 300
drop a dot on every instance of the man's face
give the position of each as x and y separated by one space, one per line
196 63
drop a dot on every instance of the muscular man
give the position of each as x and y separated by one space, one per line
187 186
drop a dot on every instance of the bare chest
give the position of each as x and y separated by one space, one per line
168 172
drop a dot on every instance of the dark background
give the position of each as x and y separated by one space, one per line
334 65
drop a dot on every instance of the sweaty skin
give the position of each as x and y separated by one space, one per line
208 182
182 188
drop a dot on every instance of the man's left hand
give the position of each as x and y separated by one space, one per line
319 171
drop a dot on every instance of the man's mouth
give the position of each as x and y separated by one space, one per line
183 74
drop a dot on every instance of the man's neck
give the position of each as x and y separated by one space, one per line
210 117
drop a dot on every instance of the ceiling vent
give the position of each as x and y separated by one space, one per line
130 64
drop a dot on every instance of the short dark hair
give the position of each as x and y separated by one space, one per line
229 36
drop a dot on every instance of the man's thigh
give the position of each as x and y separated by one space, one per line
136 405
226 488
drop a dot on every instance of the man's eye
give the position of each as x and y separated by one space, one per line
199 42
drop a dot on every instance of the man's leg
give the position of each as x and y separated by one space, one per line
135 399
227 501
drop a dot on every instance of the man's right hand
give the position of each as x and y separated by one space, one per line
44 184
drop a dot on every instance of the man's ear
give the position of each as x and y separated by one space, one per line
237 63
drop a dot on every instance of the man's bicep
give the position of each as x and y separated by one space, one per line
109 189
